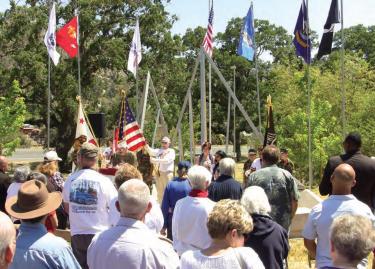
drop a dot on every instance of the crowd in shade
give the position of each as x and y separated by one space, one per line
201 216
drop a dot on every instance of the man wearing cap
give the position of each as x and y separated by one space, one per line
5 182
7 241
163 158
130 244
87 196
123 155
285 163
35 247
364 167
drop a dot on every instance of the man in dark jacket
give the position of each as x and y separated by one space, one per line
5 181
225 186
364 167
268 239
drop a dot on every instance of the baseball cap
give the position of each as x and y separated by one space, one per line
88 150
51 156
165 139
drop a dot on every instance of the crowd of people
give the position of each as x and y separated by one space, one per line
202 218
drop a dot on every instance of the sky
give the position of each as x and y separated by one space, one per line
193 13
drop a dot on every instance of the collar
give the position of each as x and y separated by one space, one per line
223 178
342 197
33 226
129 222
198 193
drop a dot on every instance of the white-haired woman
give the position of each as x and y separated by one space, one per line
190 213
19 177
268 239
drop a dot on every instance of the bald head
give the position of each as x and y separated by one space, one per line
3 164
7 240
343 179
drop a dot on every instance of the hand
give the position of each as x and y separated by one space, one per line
163 231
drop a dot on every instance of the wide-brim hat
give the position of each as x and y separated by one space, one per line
32 201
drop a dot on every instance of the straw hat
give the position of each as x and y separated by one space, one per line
32 201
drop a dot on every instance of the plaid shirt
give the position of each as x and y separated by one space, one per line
57 181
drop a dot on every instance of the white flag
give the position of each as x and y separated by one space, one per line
135 54
50 37
83 127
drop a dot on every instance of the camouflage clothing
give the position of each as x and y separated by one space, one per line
281 188
145 167
288 166
128 157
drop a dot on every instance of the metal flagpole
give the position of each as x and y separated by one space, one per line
209 93
49 105
257 77
156 127
228 124
203 97
234 111
343 91
78 55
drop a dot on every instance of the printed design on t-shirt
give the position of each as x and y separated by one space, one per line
85 193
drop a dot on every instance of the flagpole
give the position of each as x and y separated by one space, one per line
257 75
342 60
49 104
209 92
78 55
234 112
203 97
228 124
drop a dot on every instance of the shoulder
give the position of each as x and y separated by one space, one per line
250 257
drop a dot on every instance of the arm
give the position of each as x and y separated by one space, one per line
168 158
66 207
294 207
325 186
310 245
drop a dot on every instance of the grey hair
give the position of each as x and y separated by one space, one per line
199 177
21 173
227 166
133 197
255 200
7 234
353 237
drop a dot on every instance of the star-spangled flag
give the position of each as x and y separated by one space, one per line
50 38
325 46
246 46
83 127
301 39
135 53
208 44
67 37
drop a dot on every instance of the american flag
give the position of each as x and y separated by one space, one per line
132 134
208 39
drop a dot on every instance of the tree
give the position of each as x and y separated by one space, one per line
12 117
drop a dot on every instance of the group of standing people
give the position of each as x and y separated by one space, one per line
202 218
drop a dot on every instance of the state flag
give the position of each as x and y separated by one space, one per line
67 37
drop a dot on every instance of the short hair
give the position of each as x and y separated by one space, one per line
37 176
7 234
354 138
255 200
221 153
21 173
125 172
271 154
228 215
199 177
252 151
353 237
227 166
344 173
133 197
206 144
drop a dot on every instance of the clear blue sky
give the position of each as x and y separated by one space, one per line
193 13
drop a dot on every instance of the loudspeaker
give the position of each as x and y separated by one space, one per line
97 122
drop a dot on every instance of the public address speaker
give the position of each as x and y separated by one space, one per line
97 122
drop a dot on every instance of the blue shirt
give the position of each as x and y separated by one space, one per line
176 189
38 249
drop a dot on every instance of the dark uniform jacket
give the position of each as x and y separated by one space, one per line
5 181
364 168
225 187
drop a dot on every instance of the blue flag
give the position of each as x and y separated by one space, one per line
246 46
301 39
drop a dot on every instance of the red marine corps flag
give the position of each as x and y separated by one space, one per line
67 37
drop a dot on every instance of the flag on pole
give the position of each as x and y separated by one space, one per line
246 46
301 39
67 37
50 38
83 127
135 53
129 132
325 46
208 44
270 137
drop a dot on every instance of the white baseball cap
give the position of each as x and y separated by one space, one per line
51 156
166 139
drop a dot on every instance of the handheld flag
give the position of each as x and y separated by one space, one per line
301 39
129 131
50 38
208 44
270 137
83 128
325 46
135 53
246 46
67 39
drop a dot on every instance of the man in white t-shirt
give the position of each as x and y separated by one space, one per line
322 215
163 159
87 196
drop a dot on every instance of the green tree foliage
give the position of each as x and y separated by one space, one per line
12 117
